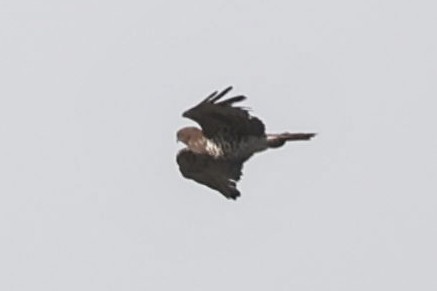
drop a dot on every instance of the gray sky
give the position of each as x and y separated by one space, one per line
91 97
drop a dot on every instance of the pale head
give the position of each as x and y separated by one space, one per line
188 134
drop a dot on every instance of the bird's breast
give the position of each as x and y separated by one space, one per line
214 149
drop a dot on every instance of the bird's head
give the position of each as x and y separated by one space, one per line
188 133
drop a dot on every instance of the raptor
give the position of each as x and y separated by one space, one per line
215 153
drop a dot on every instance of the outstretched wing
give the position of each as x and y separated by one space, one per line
224 120
218 174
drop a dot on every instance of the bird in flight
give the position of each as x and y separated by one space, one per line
229 136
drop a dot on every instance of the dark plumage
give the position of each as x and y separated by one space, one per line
214 155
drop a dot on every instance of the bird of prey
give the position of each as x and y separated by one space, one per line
228 137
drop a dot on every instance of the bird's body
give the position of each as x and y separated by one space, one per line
221 146
215 154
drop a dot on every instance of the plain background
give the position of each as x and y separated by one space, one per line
91 97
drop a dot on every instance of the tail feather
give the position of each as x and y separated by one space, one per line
277 140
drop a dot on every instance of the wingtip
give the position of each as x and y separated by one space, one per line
210 96
233 194
221 94
186 114
233 198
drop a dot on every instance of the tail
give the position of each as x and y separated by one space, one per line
278 140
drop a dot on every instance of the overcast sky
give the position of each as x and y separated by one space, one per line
91 97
